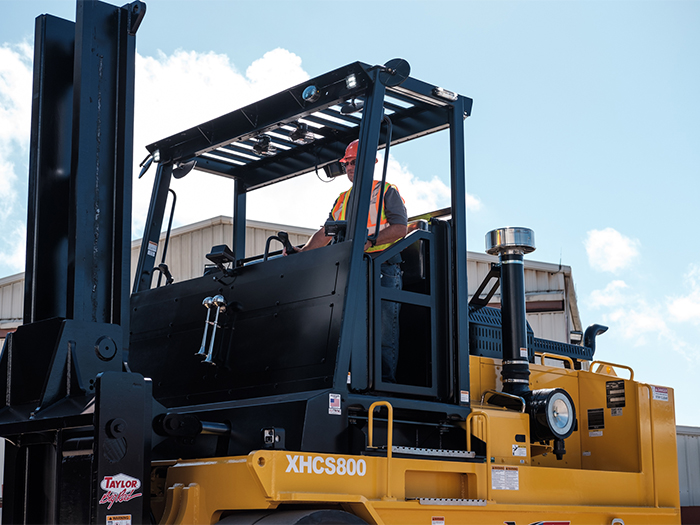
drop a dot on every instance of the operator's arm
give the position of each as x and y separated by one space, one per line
317 240
388 235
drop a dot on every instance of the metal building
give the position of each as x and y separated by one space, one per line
688 439
552 310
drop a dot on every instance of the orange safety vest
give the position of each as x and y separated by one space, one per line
341 207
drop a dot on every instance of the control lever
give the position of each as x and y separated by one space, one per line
284 239
207 302
220 302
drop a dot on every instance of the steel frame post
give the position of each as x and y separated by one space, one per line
49 170
459 251
239 221
101 164
370 127
151 231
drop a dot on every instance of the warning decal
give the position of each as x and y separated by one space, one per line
660 393
123 519
519 450
505 478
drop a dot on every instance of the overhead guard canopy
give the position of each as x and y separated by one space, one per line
225 145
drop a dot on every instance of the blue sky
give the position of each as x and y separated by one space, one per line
585 128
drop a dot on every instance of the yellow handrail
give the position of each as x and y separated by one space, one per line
555 356
603 364
651 440
487 434
389 441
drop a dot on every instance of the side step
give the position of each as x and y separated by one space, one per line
433 452
450 501
437 453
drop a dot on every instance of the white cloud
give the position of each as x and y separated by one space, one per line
187 88
630 315
312 200
179 91
17 242
15 124
15 116
175 92
687 307
612 295
608 250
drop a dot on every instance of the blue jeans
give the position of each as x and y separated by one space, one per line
391 278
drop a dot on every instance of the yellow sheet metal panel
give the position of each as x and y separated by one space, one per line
662 425
609 423
445 485
266 479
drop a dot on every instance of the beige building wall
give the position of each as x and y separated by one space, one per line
550 297
189 245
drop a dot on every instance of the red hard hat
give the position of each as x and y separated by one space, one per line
351 152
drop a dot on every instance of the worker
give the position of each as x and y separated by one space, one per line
392 228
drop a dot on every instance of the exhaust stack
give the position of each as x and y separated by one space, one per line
552 411
511 244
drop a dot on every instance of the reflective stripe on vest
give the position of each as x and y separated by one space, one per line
340 209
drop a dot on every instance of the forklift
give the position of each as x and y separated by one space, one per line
254 393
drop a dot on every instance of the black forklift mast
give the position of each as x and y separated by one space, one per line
61 371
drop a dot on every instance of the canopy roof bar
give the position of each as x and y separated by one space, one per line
225 145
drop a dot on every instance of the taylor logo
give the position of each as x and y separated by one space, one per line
119 489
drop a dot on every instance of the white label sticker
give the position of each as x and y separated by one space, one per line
464 396
595 433
437 520
519 450
586 453
334 404
616 411
122 519
523 352
660 393
505 478
152 248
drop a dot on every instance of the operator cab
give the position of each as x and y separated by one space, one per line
290 328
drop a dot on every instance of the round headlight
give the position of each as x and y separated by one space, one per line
552 414
559 412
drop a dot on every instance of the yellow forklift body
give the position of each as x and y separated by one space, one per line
624 471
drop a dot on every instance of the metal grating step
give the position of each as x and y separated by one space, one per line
433 452
451 501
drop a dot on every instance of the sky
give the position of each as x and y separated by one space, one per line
585 128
